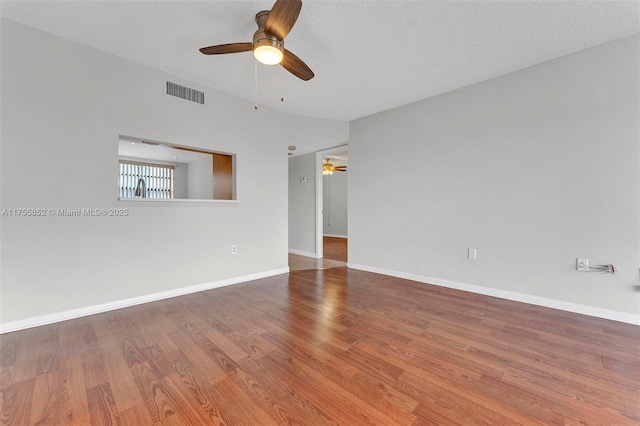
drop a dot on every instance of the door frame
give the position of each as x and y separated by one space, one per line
320 156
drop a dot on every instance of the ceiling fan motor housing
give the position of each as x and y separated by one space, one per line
266 41
262 38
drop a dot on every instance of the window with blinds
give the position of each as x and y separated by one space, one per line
142 180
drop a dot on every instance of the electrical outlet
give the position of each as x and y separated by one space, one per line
472 253
234 249
582 264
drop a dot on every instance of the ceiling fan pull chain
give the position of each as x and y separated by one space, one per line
255 81
282 84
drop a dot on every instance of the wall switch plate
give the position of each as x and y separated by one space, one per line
472 253
234 249
582 264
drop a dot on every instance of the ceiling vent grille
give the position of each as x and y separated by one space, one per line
185 93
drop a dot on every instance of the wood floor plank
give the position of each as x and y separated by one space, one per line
100 324
134 416
8 350
252 413
93 369
190 409
159 402
371 392
342 411
213 351
222 341
324 347
74 406
23 352
47 352
285 393
15 402
46 406
460 408
77 336
102 408
264 398
200 389
8 354
447 379
202 367
590 395
123 387
158 332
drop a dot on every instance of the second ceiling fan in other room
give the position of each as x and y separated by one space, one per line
328 168
268 40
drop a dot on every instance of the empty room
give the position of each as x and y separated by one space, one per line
319 213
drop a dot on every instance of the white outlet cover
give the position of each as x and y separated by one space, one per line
472 253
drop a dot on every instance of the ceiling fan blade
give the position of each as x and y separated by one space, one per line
227 48
295 66
283 15
340 168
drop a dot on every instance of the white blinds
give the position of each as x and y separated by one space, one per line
139 180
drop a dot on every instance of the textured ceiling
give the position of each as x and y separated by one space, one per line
368 56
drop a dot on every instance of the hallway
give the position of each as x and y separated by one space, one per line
335 256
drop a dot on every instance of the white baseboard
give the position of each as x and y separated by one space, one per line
104 307
303 253
335 236
509 295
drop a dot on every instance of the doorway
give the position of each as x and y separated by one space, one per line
335 206
318 210
332 203
326 244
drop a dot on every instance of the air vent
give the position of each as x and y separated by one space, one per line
185 93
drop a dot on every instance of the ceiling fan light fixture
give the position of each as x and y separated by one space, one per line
268 55
327 168
267 50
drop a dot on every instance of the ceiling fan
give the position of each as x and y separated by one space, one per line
268 40
328 168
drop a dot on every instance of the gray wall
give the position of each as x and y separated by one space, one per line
181 181
335 204
64 106
200 178
302 205
533 169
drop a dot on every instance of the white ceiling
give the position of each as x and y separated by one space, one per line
368 56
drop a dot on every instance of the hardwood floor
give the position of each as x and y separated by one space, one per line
323 347
335 248
300 263
335 256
